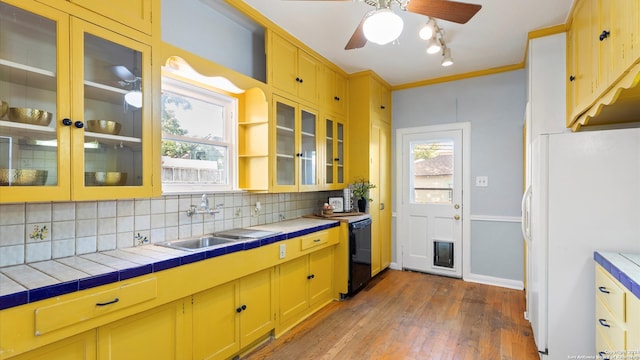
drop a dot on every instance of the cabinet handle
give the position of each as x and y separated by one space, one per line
67 122
605 34
603 355
316 240
78 124
572 78
604 290
108 302
603 322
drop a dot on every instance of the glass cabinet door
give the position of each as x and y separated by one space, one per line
111 147
285 144
308 145
334 154
30 71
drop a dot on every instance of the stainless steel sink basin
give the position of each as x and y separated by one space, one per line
218 239
195 244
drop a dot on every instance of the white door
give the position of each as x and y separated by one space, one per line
430 230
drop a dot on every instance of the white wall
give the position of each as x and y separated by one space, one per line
494 105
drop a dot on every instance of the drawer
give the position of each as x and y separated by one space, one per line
610 293
62 314
610 327
313 240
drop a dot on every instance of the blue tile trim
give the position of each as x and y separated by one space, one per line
15 299
29 296
625 280
98 280
215 252
53 290
136 271
166 264
191 258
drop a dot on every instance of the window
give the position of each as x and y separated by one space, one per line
198 138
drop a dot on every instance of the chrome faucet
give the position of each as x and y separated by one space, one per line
204 208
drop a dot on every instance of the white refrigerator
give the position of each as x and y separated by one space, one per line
583 196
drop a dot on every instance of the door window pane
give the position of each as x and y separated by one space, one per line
432 172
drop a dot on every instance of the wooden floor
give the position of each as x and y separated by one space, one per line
407 315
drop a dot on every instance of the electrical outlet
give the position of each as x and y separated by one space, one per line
482 181
283 250
258 207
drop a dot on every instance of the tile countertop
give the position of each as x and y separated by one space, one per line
623 267
23 284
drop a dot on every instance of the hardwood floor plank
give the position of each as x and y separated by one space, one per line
408 315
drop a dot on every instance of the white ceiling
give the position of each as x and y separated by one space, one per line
496 36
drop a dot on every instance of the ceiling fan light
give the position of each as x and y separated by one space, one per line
426 32
134 98
447 60
433 46
383 27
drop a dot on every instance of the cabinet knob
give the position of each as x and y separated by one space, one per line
336 98
78 124
336 159
382 107
299 154
310 276
67 122
572 78
239 309
604 34
299 80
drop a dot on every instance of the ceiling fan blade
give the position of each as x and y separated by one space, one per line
357 39
454 11
123 73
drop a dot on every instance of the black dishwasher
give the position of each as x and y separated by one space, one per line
360 255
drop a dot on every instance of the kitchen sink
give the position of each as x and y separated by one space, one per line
218 239
195 244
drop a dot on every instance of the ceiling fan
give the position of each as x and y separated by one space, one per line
384 21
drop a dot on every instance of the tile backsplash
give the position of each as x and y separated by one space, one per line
31 232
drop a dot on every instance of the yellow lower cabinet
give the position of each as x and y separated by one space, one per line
153 334
80 347
232 316
305 284
633 324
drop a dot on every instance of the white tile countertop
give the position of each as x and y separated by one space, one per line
26 283
624 267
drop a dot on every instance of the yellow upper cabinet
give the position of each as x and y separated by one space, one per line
293 157
293 70
91 87
602 47
133 13
381 100
333 91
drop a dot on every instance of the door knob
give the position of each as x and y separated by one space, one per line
456 217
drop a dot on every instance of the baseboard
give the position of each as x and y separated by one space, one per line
394 266
495 281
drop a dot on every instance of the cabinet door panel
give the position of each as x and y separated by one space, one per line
293 288
320 267
79 347
215 322
153 334
134 13
308 75
257 319
283 65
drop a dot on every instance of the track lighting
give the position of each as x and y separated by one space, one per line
435 41
427 31
433 46
447 60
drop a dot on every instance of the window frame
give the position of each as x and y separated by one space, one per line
183 86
